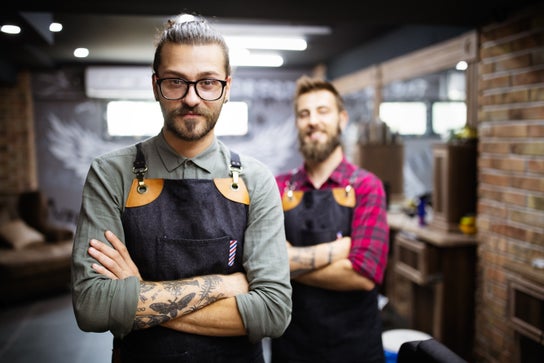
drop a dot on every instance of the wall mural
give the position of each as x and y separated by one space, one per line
70 129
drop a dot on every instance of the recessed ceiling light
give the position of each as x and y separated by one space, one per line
10 29
55 27
81 52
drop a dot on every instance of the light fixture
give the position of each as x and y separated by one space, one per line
81 53
266 42
461 66
10 29
244 58
55 27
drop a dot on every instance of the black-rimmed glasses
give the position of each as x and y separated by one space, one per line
209 89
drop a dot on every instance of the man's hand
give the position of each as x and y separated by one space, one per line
162 301
114 262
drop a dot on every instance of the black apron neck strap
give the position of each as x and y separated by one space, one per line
139 168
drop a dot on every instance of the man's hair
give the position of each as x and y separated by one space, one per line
306 84
190 30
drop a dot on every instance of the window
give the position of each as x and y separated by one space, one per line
144 118
448 116
406 118
133 118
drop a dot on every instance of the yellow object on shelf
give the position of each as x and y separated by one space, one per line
467 225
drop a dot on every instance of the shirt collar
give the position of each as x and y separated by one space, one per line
337 177
172 160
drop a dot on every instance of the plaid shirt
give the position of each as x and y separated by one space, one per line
369 228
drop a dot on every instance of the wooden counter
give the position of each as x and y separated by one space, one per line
401 222
430 281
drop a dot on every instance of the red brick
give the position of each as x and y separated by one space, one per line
533 76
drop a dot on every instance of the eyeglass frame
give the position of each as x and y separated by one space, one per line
158 81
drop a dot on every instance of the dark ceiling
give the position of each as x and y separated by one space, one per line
121 32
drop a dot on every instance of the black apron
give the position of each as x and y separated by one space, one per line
176 229
326 325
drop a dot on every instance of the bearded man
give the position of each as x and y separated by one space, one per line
337 240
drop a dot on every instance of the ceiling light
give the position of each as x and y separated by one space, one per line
55 27
81 53
10 29
244 58
461 66
263 42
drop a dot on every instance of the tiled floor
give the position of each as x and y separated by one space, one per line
45 331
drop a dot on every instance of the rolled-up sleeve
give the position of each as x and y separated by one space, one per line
101 304
266 309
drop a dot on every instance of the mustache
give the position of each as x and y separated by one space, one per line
186 110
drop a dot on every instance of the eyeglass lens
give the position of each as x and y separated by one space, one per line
177 88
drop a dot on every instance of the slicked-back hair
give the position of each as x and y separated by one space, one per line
190 30
306 84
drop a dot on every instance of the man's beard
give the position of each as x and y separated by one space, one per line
187 129
317 152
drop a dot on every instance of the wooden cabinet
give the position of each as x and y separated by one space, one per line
454 184
439 269
386 161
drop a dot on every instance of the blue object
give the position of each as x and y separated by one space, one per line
421 210
390 357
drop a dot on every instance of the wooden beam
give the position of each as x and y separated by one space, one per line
435 58
353 82
431 59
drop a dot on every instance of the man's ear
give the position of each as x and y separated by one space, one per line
344 119
155 87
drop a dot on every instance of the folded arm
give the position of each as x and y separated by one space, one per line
163 301
326 265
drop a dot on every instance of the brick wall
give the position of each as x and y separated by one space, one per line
17 147
510 170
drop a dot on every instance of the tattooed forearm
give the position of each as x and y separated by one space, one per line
302 260
310 258
304 257
208 289
163 301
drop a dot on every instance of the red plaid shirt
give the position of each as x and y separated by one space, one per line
369 228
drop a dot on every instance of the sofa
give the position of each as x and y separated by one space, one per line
35 256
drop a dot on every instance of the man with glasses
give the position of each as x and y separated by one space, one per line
180 245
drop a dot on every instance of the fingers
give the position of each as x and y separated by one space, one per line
115 259
103 271
108 258
122 249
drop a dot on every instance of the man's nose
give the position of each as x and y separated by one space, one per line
191 98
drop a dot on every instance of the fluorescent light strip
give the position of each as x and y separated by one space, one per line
243 58
263 42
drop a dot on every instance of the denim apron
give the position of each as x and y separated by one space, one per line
326 325
176 229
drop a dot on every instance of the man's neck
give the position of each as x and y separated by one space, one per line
318 173
188 149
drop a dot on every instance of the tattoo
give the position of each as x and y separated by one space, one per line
330 253
206 292
183 300
176 287
305 257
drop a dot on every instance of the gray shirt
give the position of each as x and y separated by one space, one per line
102 304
